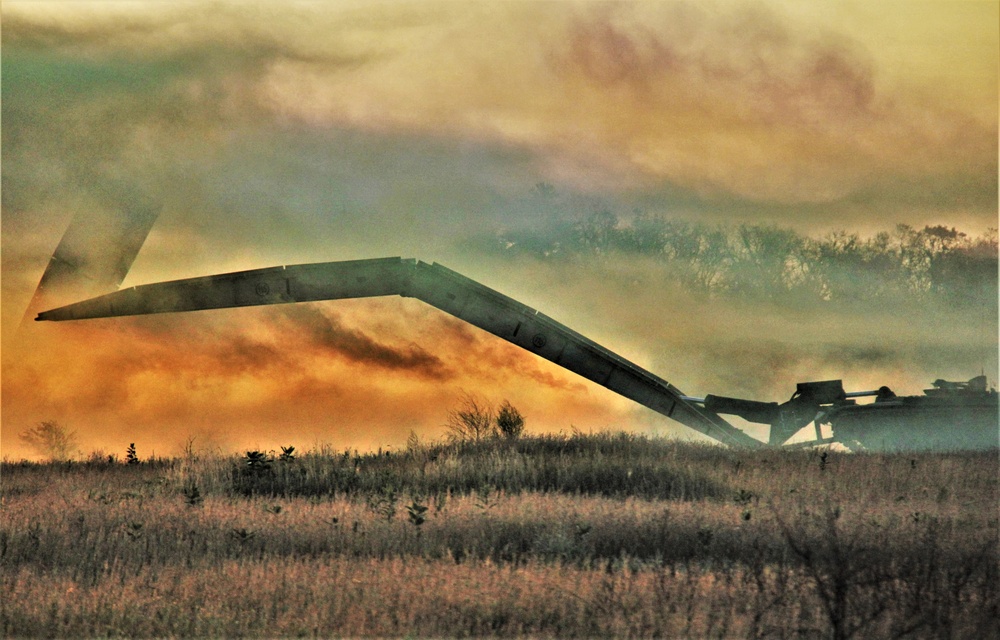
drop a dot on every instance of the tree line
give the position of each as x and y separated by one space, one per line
767 262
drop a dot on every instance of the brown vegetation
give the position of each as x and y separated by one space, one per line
50 440
544 536
475 420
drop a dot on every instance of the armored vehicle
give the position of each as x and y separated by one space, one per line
952 415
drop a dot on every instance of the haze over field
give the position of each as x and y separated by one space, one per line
482 136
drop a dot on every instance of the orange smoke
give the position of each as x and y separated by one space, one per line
358 373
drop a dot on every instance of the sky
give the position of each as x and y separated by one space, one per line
282 133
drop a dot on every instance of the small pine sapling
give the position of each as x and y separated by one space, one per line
257 461
192 497
417 512
134 530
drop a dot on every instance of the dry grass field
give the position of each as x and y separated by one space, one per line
583 535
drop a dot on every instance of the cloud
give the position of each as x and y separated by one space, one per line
360 372
278 134
741 103
735 102
431 115
327 332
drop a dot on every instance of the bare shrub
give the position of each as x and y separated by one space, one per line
471 421
845 569
476 420
51 440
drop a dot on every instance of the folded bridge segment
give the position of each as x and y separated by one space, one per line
434 284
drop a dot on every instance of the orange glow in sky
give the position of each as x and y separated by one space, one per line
282 133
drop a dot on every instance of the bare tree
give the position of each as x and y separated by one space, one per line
475 420
471 421
51 440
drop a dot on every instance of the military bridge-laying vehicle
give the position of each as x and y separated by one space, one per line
952 415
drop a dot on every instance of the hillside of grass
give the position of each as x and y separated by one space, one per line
581 535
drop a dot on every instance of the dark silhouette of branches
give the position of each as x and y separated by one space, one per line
50 440
471 421
766 262
509 421
475 420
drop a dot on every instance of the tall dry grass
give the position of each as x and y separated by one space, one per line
550 536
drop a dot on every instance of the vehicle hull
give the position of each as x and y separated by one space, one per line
915 423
